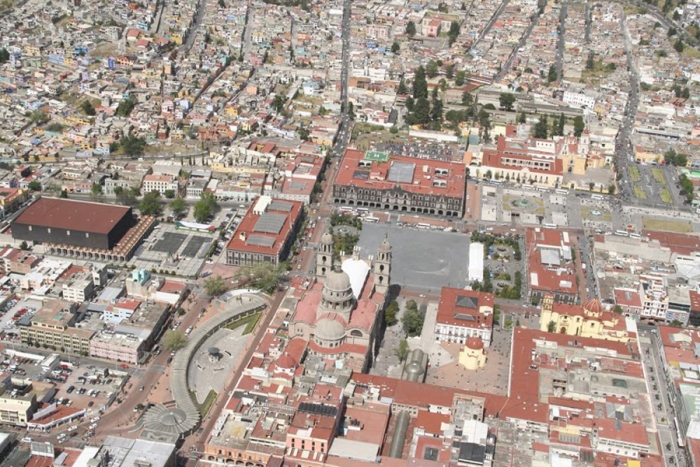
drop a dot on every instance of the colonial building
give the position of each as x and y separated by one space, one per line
587 320
399 183
463 314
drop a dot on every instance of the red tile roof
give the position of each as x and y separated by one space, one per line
241 240
424 175
453 302
70 214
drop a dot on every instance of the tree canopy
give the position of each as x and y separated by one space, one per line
178 206
150 205
205 207
215 285
174 340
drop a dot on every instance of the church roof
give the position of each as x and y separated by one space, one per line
357 270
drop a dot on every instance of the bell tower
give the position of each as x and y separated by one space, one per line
324 255
382 267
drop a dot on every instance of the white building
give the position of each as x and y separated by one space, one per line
159 183
476 262
579 99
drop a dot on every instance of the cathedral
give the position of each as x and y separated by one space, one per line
339 313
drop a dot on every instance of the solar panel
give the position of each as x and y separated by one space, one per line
361 175
270 223
318 409
280 206
401 172
467 302
260 240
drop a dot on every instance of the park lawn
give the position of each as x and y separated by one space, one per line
250 327
640 193
652 223
208 402
658 176
634 173
666 196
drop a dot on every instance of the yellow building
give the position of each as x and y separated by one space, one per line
647 156
587 320
16 410
472 356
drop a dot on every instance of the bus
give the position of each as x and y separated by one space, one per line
363 210
371 219
621 233
423 225
541 188
635 235
495 182
596 196
528 187
345 209
549 226
560 191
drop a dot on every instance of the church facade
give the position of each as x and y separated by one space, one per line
339 314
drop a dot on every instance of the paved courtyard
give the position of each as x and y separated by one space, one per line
205 375
422 259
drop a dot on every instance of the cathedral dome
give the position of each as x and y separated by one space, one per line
329 329
337 281
593 306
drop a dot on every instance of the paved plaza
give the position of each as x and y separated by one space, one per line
206 374
422 259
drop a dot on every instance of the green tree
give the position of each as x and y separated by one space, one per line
4 55
591 186
303 133
460 78
431 69
96 189
560 125
579 126
467 99
278 103
174 340
506 100
671 32
24 246
215 286
402 90
611 189
87 107
395 48
552 75
125 107
64 194
402 350
169 194
412 319
411 29
449 71
34 186
205 207
679 46
453 33
178 206
420 84
421 111
39 117
551 326
541 128
263 276
391 313
133 146
222 4
150 205
522 118
410 104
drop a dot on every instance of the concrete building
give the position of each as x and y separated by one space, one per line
266 233
159 183
52 326
79 288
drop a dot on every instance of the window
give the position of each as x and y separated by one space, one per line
87 234
48 230
68 232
